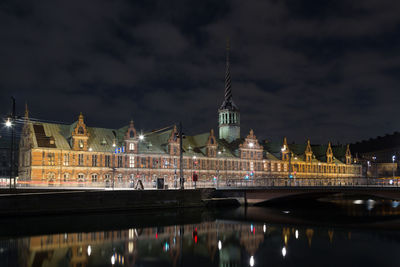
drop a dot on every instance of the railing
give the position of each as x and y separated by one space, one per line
267 182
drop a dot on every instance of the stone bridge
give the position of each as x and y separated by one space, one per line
252 196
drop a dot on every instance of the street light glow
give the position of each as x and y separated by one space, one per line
219 244
284 251
8 122
251 261
113 259
251 144
141 137
89 250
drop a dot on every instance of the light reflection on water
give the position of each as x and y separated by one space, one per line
220 242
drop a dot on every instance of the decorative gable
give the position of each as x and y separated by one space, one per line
211 146
329 154
173 142
308 152
285 150
80 135
348 155
250 148
130 138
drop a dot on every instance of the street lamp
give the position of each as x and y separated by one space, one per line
393 159
218 154
193 171
283 149
8 123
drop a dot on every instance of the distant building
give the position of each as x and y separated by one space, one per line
5 158
77 153
376 155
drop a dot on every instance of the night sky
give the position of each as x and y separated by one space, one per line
324 70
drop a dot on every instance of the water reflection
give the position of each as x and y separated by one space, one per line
245 237
218 243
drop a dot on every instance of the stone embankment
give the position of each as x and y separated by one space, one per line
40 202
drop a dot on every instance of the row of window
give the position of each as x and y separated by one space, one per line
144 162
310 168
219 164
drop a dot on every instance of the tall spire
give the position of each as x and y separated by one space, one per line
228 91
228 102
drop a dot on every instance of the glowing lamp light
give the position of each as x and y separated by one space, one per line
251 261
251 145
113 259
296 234
264 228
284 251
166 246
8 122
89 250
391 181
90 149
141 137
219 244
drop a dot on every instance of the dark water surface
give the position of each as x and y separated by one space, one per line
332 232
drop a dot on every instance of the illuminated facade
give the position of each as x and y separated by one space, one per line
65 154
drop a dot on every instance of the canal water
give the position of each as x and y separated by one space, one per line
356 231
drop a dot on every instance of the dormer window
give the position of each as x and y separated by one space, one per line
104 142
131 134
80 130
80 144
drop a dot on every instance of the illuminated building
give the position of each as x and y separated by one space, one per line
77 153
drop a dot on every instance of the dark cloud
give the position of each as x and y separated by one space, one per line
324 70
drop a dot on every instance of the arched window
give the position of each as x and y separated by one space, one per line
94 178
120 178
81 177
51 176
66 177
131 146
131 134
80 130
107 177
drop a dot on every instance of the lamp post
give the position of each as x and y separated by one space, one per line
182 180
283 149
10 124
393 159
193 171
218 154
